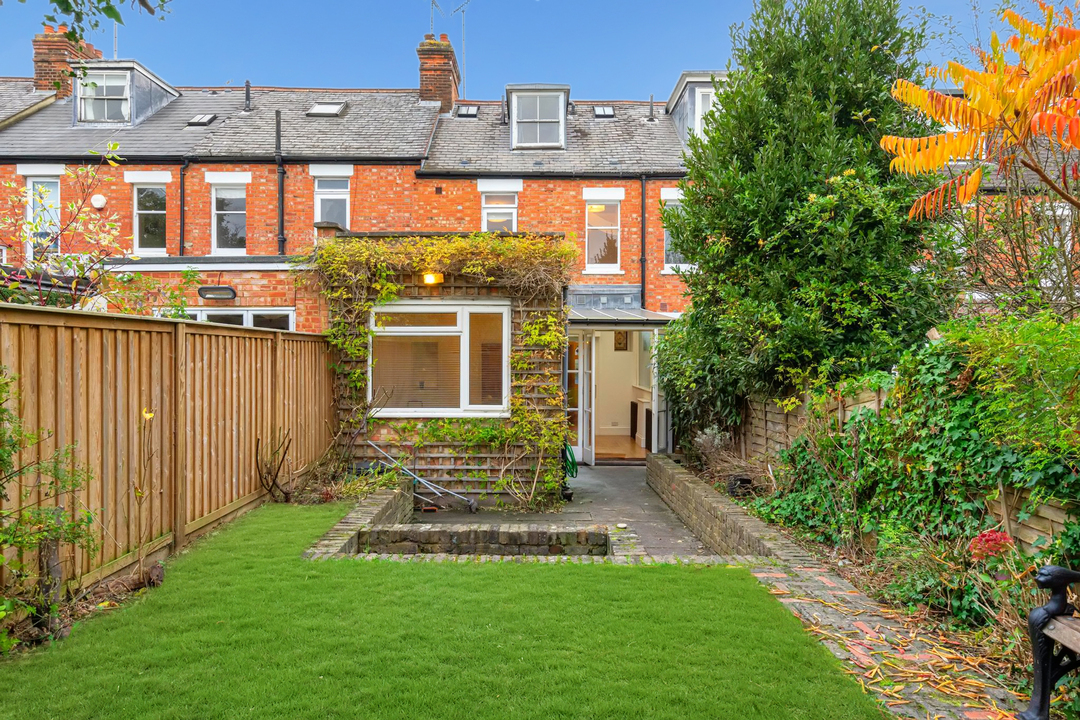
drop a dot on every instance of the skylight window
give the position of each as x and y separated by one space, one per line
467 111
202 120
326 109
603 111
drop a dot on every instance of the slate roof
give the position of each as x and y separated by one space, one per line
49 133
628 144
18 94
375 124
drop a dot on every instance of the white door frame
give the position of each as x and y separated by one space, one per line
576 337
587 383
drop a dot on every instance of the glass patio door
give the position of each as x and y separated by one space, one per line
573 392
588 397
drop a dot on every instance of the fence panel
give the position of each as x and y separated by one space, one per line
87 379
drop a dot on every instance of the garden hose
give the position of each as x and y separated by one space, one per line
569 461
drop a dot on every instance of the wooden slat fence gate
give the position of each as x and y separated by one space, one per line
86 379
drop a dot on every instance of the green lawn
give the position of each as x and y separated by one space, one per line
244 628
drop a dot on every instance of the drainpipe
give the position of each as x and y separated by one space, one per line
643 206
280 184
183 171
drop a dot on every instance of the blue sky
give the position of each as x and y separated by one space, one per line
604 49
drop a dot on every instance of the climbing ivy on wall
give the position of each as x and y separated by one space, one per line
357 274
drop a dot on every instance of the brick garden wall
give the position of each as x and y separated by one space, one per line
720 523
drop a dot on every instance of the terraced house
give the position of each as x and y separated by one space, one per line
236 181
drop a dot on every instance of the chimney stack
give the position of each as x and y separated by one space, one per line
53 55
439 75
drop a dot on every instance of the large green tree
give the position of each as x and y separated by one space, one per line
807 266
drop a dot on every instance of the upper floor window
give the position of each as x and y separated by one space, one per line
672 260
539 120
499 212
43 214
103 97
332 201
602 236
705 99
230 220
149 224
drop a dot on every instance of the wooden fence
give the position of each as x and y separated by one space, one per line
768 428
87 378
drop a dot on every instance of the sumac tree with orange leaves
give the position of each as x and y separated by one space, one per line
1012 128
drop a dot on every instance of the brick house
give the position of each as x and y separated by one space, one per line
233 181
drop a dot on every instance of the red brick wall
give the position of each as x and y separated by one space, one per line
392 198
277 289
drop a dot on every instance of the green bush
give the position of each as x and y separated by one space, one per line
991 405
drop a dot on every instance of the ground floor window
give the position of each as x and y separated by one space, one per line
440 359
265 318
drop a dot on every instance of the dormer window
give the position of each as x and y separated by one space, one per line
705 99
103 97
539 120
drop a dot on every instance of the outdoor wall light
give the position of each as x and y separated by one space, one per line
433 278
217 292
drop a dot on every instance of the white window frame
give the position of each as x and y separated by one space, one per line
80 83
30 243
700 109
249 314
135 216
485 209
214 249
333 195
604 268
461 330
667 196
514 121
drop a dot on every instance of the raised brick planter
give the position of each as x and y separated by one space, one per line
719 522
381 507
478 539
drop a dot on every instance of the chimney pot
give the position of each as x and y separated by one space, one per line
429 36
61 29
444 38
50 29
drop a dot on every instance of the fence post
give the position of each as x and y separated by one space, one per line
180 436
277 408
